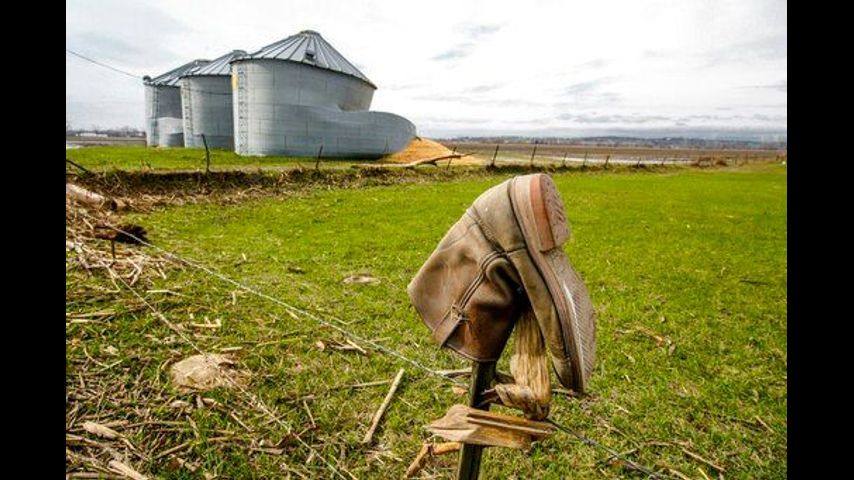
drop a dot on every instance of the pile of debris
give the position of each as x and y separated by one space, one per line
96 241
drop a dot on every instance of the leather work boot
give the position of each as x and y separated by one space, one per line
504 253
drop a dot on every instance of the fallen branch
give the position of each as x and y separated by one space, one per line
432 161
91 198
378 416
413 164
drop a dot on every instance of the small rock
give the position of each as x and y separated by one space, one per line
207 371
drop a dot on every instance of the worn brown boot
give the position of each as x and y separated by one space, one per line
468 293
507 251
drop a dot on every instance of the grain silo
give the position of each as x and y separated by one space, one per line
299 94
163 120
206 99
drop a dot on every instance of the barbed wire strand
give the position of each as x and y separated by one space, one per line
611 451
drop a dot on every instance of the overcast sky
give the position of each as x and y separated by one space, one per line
468 67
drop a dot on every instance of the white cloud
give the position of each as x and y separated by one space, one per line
451 66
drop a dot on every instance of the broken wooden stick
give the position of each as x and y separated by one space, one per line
701 459
379 415
479 427
429 450
459 372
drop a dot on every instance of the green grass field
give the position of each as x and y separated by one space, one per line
687 270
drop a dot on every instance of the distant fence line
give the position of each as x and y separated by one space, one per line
498 155
551 155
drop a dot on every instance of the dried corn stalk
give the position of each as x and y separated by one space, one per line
531 390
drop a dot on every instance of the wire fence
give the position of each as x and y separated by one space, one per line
338 325
569 155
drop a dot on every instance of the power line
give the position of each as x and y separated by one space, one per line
138 77
84 57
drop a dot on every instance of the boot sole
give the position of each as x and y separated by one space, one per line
542 218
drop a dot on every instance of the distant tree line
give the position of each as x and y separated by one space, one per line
125 131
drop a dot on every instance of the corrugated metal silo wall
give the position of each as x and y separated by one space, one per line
163 119
207 105
287 108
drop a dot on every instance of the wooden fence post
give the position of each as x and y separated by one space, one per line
533 153
207 155
470 455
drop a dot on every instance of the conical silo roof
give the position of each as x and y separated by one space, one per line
310 48
170 78
217 66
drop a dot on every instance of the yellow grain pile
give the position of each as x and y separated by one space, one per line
418 149
424 148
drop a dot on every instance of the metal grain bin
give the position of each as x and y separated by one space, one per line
298 94
164 125
206 100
